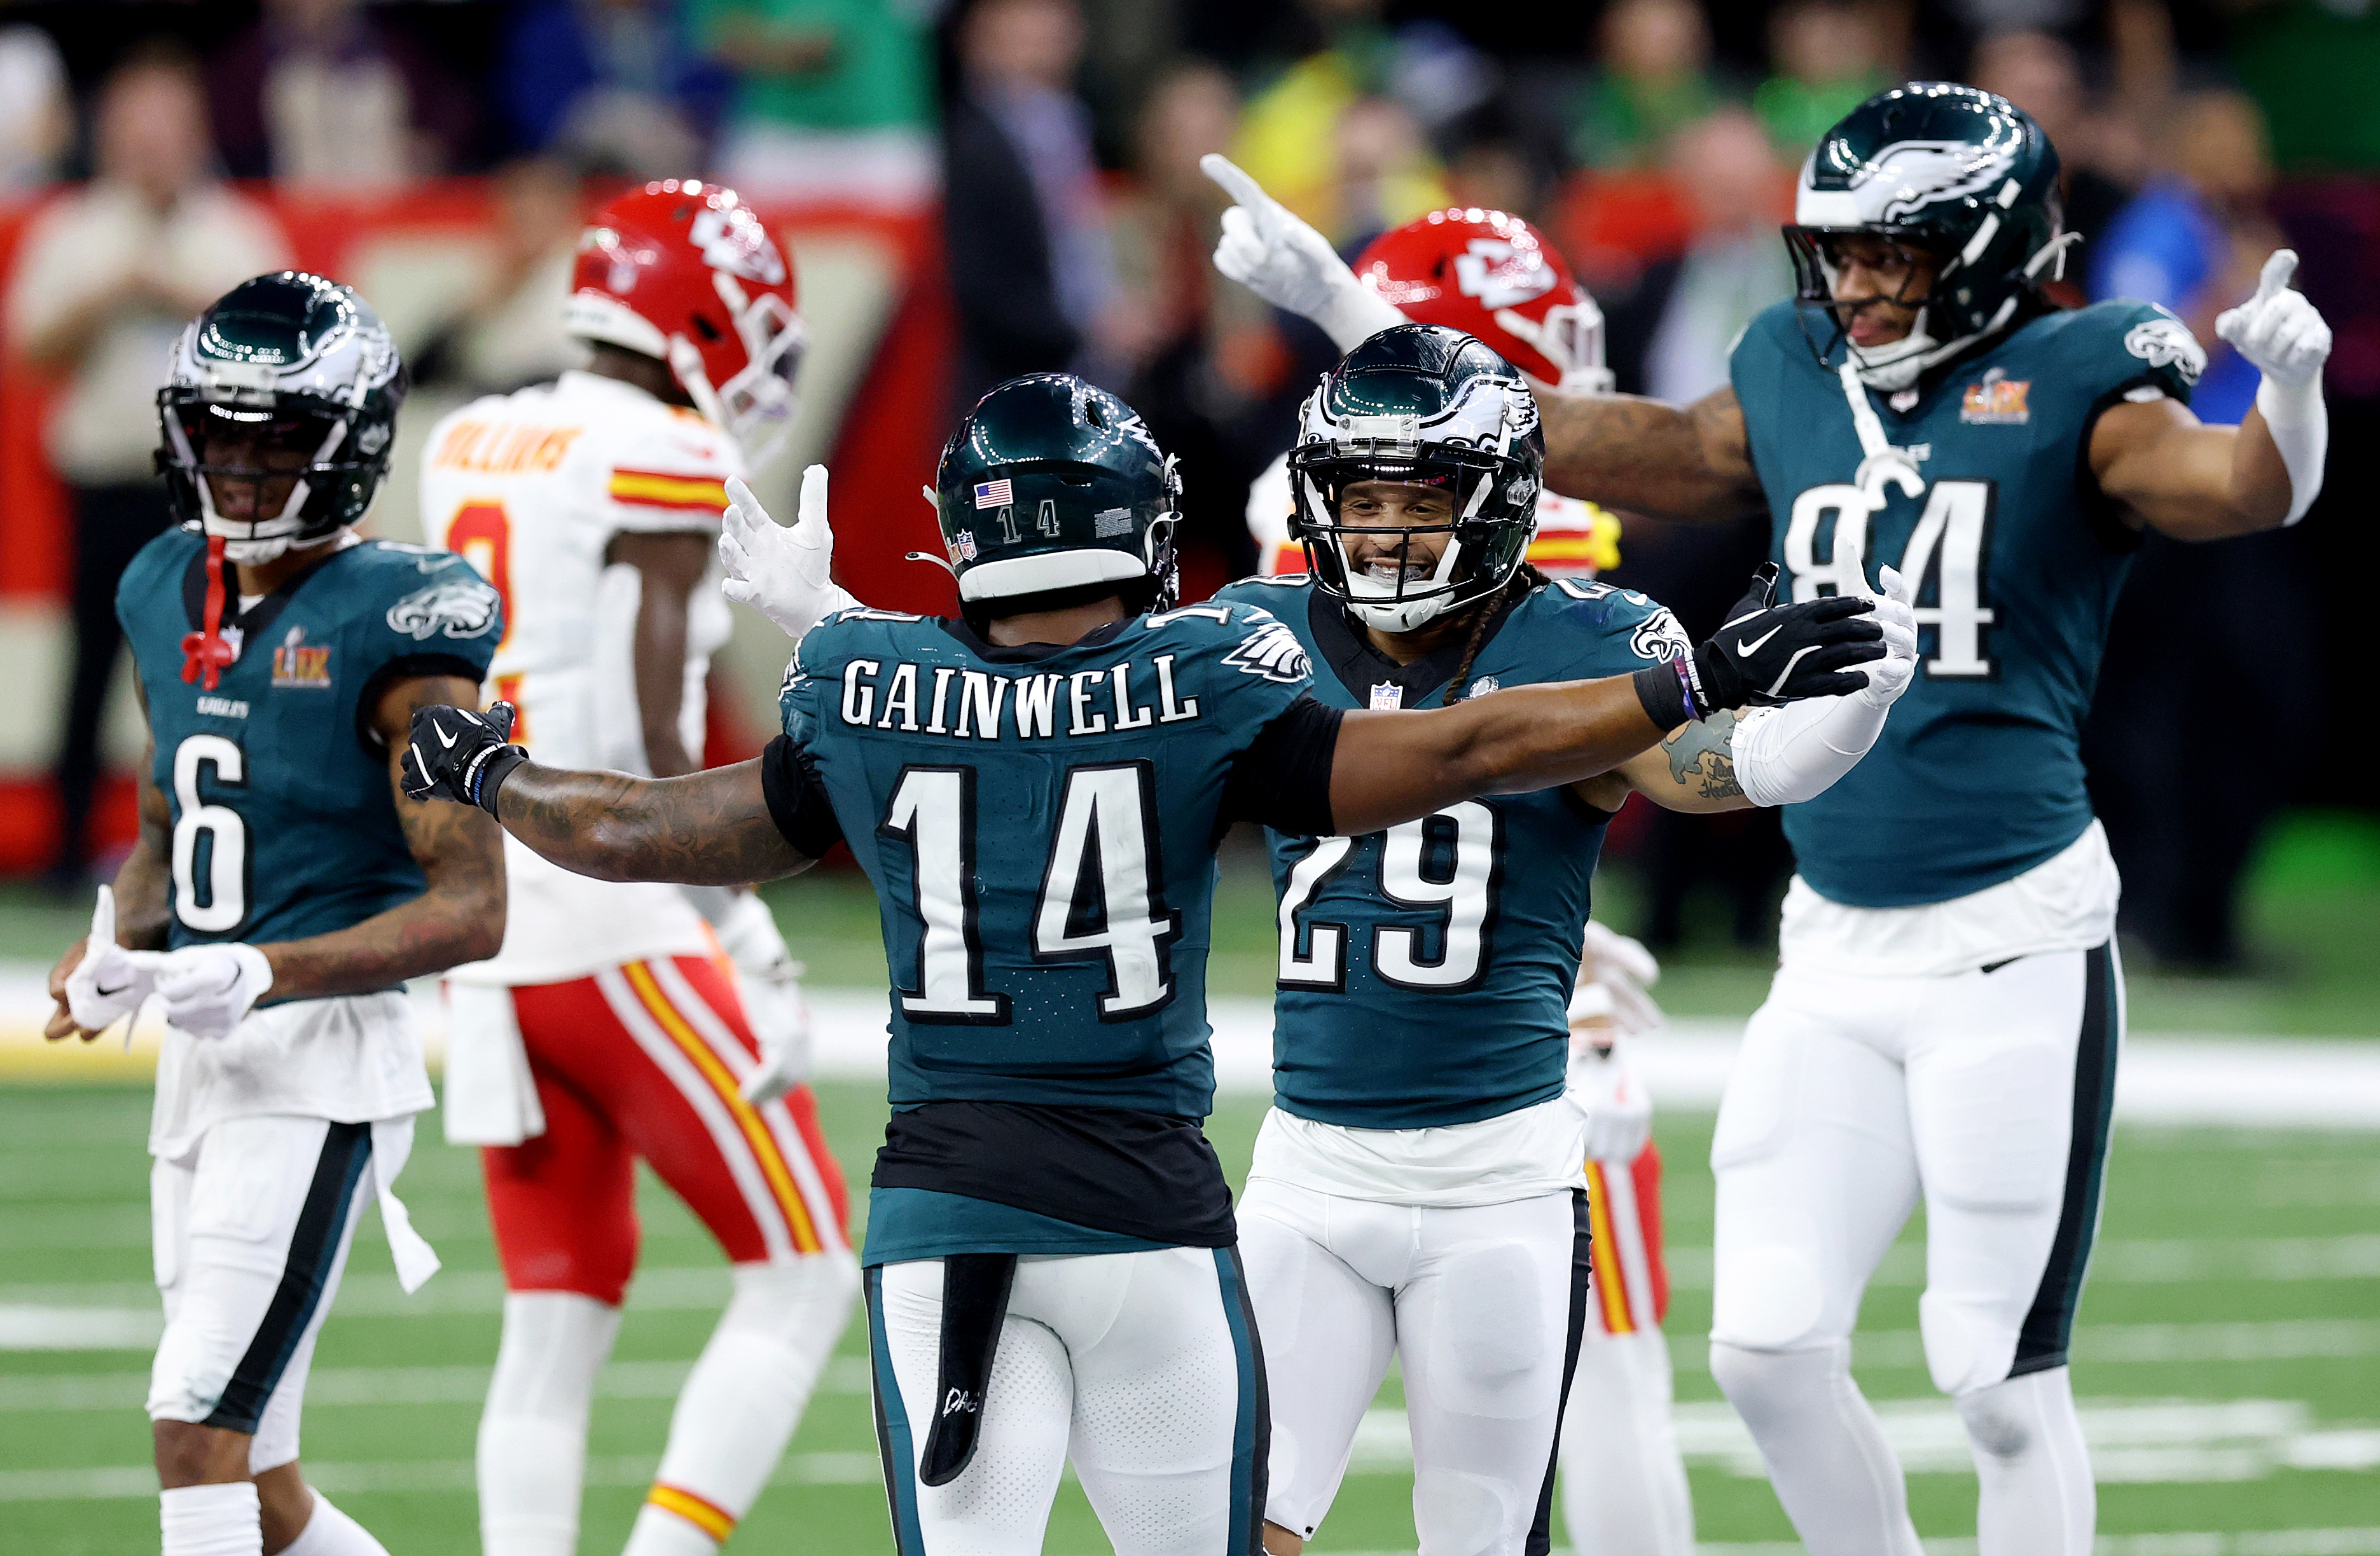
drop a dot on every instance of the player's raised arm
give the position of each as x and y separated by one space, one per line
1391 767
2167 471
709 829
1648 456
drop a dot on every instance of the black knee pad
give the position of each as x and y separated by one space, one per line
975 1303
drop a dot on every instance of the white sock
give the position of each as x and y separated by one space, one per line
743 1400
532 1453
210 1520
1824 1449
330 1532
2037 1496
1623 1482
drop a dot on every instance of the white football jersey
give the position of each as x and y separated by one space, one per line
1574 539
531 488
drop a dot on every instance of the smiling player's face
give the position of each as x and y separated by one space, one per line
1375 517
252 466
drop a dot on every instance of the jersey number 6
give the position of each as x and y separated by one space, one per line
1101 897
220 827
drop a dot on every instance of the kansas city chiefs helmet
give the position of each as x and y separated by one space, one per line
1052 490
1496 278
683 271
1425 404
1960 173
281 406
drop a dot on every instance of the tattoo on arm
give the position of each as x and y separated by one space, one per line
708 828
1702 756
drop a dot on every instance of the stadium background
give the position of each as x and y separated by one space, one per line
2229 1356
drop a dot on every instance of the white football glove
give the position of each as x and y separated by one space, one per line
1894 612
2283 335
209 990
769 979
1614 973
788 575
1604 1087
109 982
1273 253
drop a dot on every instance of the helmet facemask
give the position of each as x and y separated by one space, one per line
1396 590
755 406
288 465
1570 337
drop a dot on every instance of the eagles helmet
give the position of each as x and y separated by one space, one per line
1963 174
1053 492
282 406
1429 404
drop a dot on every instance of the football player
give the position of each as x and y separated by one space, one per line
278 894
1493 276
607 1028
1946 1019
1415 1188
1036 790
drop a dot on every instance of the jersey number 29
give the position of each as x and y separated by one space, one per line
1445 861
1101 897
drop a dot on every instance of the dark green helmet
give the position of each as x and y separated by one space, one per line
1425 404
1960 173
1053 487
282 398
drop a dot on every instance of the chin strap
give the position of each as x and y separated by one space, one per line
208 650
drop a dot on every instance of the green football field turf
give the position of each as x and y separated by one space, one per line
2229 1349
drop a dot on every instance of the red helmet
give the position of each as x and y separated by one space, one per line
1494 277
683 271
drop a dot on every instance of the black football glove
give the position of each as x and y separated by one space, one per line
460 755
1767 654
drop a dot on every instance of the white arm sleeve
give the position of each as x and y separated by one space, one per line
2299 424
1787 755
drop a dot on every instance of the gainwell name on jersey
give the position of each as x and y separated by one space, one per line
976 705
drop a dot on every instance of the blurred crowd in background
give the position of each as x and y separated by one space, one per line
1056 144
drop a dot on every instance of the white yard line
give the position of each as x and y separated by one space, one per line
2164 1078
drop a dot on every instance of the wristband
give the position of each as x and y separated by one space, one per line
1666 691
488 772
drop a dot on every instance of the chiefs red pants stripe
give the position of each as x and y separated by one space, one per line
1631 1284
645 1060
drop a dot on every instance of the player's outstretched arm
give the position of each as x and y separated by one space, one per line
2168 473
1391 767
708 828
458 917
1648 456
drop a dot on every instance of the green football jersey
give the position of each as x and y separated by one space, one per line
1426 972
1039 824
285 823
2016 559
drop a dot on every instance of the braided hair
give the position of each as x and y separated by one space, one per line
1516 588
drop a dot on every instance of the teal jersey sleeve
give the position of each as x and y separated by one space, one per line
284 819
1039 824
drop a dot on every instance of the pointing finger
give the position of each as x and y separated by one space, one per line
1245 190
2274 278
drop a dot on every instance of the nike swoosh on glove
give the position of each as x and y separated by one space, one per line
788 575
1272 252
456 755
2279 329
1770 653
209 990
1895 616
109 982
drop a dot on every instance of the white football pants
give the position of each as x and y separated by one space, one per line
1140 1367
1989 1092
1477 1301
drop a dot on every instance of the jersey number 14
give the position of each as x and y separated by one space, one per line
1101 897
1952 540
